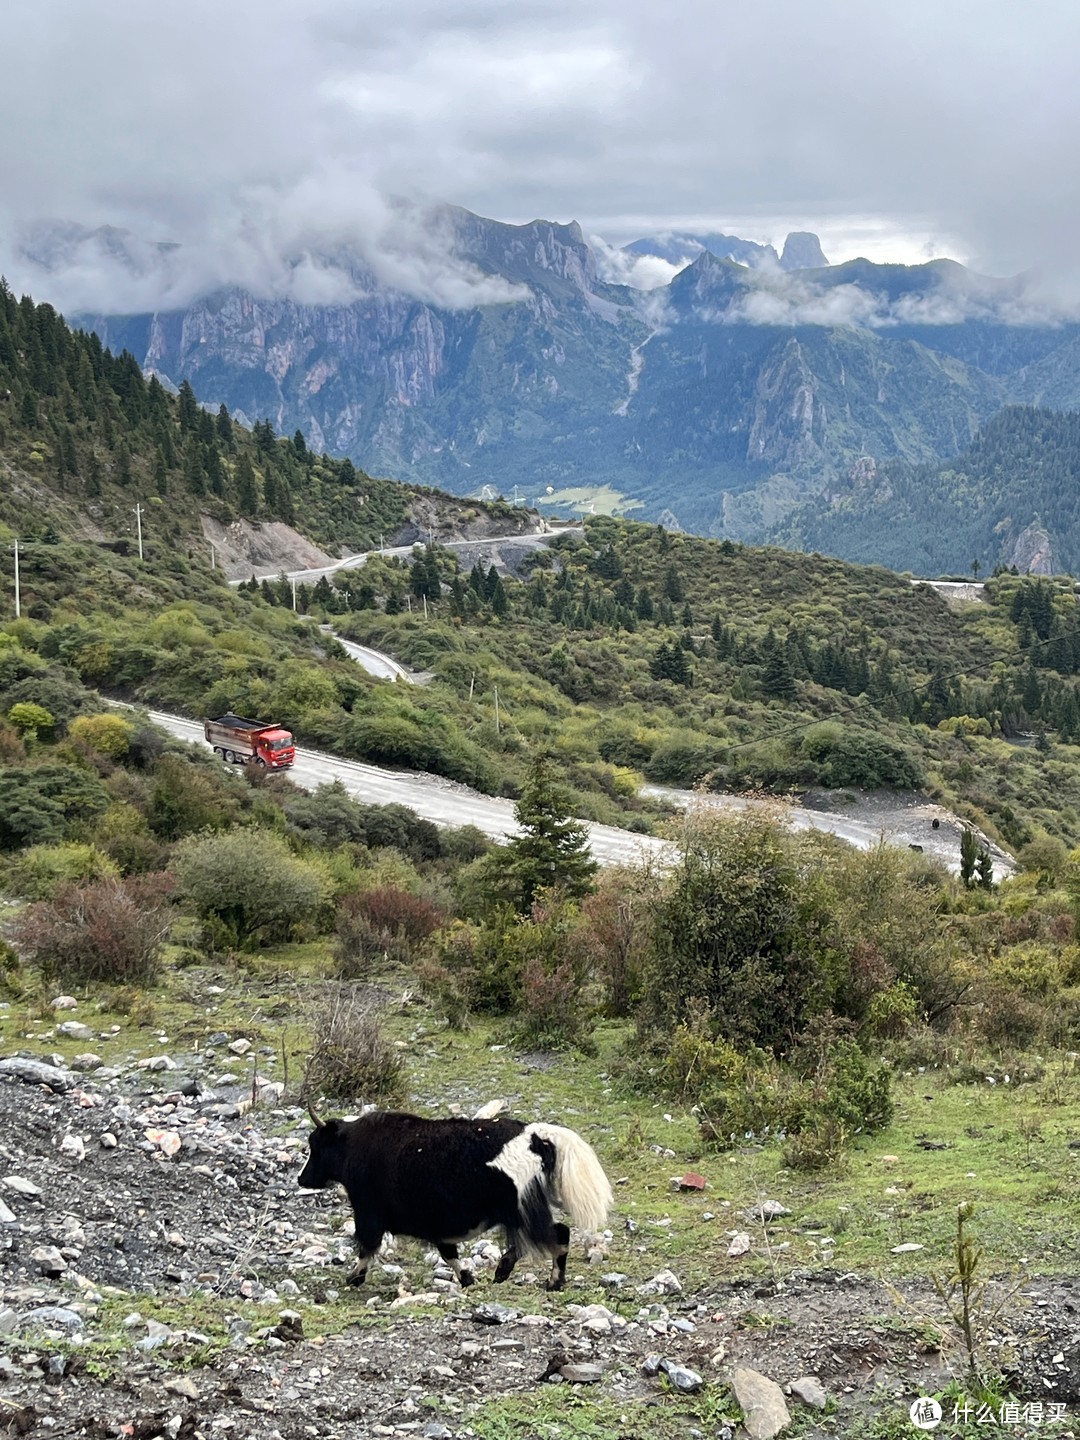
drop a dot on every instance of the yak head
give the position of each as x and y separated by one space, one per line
325 1154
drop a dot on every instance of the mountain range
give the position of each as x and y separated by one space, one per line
724 402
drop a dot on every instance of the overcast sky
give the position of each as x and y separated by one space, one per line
898 130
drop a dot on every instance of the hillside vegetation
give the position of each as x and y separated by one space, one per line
1011 495
636 653
776 998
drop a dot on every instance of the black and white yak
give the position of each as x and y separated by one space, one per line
446 1181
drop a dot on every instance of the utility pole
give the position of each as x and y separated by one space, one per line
497 710
425 607
137 512
18 602
382 545
213 555
293 584
472 682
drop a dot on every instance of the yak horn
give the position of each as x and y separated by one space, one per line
311 1111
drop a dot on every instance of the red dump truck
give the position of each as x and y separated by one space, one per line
250 742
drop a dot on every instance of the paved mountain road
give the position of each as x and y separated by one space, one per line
447 803
435 799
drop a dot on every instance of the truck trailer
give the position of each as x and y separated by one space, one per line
250 742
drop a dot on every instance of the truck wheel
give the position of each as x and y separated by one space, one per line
260 762
230 757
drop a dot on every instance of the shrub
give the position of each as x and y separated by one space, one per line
246 885
737 930
616 918
40 805
188 797
554 1014
351 1059
40 871
391 909
111 931
107 734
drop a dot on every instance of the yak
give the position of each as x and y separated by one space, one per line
447 1181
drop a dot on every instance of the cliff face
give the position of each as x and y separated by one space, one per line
729 380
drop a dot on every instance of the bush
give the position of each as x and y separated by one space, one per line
737 930
397 912
351 1059
106 734
247 886
40 805
845 756
39 872
554 1014
110 931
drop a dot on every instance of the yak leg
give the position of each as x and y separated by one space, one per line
450 1254
368 1239
557 1278
508 1260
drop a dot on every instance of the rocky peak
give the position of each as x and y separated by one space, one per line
802 251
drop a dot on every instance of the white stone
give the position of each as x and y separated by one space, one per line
22 1186
74 1147
74 1030
65 1002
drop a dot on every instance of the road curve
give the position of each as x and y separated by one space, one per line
354 562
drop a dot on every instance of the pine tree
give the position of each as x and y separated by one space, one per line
247 490
552 852
969 856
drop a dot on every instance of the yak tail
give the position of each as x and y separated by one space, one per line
579 1184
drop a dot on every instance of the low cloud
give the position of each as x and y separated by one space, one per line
948 295
639 272
356 244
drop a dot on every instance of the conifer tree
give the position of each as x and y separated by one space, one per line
552 852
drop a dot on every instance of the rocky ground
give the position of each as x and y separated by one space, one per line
162 1274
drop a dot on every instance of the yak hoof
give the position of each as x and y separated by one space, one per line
357 1278
556 1284
466 1278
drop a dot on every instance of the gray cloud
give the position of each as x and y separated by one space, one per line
252 131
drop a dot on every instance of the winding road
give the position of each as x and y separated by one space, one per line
447 803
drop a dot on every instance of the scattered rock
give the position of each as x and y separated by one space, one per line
22 1186
684 1380
37 1072
108 1141
240 1047
86 1062
762 1403
665 1282
48 1260
73 1147
769 1210
74 1030
691 1181
810 1391
182 1385
64 1002
7 1217
581 1374
52 1317
492 1313
740 1243
908 1249
491 1109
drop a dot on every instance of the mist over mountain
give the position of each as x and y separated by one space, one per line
449 349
